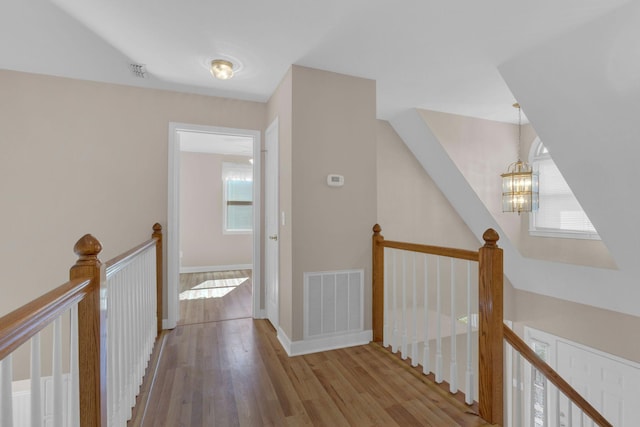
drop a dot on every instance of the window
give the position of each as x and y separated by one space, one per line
539 391
559 213
237 193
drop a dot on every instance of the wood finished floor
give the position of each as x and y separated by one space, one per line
235 373
214 296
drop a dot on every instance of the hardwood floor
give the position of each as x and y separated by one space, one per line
235 373
214 296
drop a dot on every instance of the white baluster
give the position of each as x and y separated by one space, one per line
36 387
386 295
6 395
453 367
469 372
58 387
403 350
518 410
569 413
74 368
581 418
439 322
414 344
545 399
112 347
558 404
426 359
394 340
128 287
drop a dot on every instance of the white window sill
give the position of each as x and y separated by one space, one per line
564 234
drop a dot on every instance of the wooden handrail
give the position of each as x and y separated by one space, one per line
491 330
378 245
17 327
432 250
87 288
490 313
117 263
518 344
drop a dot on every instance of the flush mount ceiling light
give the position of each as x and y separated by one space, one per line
519 183
221 69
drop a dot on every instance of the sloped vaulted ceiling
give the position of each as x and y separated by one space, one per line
581 92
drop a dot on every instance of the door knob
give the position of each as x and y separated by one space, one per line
273 237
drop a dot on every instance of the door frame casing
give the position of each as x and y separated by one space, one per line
173 216
272 128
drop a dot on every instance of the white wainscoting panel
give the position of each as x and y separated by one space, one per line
22 401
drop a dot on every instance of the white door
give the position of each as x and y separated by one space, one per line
609 384
272 223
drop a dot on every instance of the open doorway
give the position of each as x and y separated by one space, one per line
213 224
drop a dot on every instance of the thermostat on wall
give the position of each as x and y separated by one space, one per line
335 180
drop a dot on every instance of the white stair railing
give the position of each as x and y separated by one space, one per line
429 301
132 329
540 396
22 401
126 294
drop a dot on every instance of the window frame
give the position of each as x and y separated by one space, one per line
536 231
229 168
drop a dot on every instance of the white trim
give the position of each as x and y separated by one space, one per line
536 231
564 234
298 348
269 250
173 220
208 268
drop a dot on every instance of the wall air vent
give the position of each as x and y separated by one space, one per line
138 70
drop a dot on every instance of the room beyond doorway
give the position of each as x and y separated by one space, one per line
214 296
233 212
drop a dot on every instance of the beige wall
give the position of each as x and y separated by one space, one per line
82 157
333 132
482 150
202 240
606 330
411 208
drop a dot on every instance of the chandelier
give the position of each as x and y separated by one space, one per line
519 182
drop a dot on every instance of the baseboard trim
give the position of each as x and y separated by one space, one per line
208 268
260 314
298 348
166 324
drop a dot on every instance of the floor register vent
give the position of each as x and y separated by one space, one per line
333 303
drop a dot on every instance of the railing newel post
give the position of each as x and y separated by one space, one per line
157 234
490 334
378 284
92 333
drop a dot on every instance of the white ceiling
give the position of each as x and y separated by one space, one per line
434 54
215 143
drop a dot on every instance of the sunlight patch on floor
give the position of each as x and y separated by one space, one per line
216 288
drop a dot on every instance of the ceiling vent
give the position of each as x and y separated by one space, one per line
138 70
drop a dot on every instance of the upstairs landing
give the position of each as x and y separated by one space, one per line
235 373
